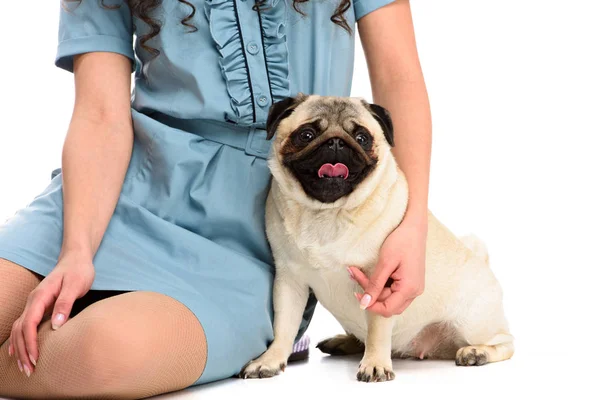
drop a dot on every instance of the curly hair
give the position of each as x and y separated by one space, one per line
142 9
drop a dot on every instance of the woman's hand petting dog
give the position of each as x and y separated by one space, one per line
399 276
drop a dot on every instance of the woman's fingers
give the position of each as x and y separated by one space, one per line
69 292
393 300
20 350
382 297
11 346
359 277
24 335
32 317
393 305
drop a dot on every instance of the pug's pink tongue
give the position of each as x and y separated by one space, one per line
332 171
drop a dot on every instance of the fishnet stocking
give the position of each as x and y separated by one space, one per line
16 283
129 346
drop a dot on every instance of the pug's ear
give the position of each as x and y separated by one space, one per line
280 111
385 121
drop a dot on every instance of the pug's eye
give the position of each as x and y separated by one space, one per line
306 135
363 139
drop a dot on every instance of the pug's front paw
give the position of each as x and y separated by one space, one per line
271 363
375 370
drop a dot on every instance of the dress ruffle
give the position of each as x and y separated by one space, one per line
276 50
226 34
224 29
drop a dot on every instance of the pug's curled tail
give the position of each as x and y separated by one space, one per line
477 246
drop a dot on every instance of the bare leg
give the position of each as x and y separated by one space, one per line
133 345
16 283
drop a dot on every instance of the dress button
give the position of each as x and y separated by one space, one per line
252 48
262 101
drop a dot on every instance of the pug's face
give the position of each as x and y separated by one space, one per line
329 145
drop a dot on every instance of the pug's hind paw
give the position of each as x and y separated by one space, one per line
375 372
266 366
472 355
341 345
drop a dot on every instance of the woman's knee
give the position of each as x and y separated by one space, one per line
16 283
84 358
131 348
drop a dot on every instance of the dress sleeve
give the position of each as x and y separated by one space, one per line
363 7
93 25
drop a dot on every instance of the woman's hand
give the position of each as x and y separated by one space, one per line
69 280
402 262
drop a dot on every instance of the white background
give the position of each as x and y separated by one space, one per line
515 94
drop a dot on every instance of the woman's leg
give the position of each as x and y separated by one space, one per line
16 283
133 345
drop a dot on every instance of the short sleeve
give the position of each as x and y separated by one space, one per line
92 25
363 7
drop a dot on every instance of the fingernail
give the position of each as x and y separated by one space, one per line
58 320
27 371
366 300
20 365
350 273
357 296
32 360
10 350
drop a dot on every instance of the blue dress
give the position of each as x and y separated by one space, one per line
189 222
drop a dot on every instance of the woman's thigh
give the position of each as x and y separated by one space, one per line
132 345
16 283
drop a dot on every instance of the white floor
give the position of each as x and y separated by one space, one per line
333 377
527 375
537 371
542 366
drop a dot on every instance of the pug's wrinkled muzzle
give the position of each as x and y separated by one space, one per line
337 141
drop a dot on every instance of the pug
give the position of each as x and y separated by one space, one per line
336 194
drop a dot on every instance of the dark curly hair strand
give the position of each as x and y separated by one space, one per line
142 9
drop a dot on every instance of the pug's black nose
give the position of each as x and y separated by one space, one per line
336 144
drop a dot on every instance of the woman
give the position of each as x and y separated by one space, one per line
147 250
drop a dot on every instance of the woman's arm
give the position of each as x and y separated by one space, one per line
96 155
397 82
97 149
